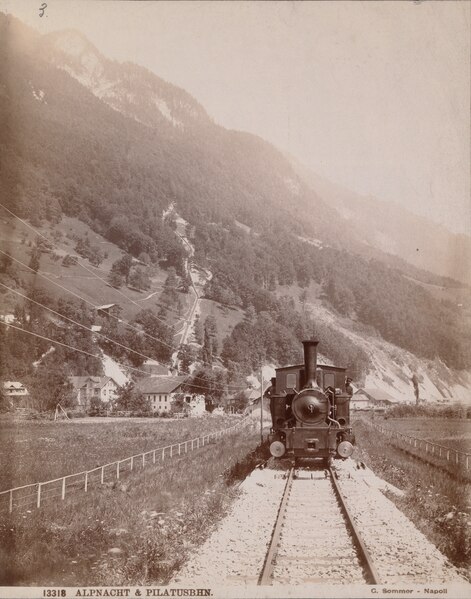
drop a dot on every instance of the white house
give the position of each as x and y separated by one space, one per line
160 393
86 388
370 398
14 389
196 403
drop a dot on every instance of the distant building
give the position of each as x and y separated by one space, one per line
7 318
161 393
17 396
196 404
108 310
86 388
14 389
371 398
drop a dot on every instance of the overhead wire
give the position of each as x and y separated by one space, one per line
79 262
91 304
133 368
77 323
86 301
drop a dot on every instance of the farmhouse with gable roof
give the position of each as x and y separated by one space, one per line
86 388
160 393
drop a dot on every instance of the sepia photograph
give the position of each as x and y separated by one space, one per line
235 299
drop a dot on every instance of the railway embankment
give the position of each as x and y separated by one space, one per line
436 501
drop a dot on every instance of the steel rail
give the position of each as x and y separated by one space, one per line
371 575
265 577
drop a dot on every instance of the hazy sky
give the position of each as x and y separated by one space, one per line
374 96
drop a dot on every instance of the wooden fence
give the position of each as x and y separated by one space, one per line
35 494
431 452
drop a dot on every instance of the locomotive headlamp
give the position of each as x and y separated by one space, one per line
277 449
345 449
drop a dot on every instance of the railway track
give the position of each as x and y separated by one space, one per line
314 538
331 527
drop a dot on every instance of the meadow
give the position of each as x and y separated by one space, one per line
137 532
74 278
452 433
36 451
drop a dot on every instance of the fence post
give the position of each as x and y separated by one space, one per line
186 446
38 501
467 461
102 478
448 455
117 470
163 454
171 450
457 457
179 448
192 444
440 452
11 501
132 462
86 482
153 457
198 443
203 441
63 488
433 449
143 460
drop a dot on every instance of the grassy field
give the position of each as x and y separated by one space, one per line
435 501
33 451
452 433
137 533
75 278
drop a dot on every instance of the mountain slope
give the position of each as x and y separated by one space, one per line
392 229
78 142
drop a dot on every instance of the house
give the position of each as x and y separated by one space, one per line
196 404
86 388
161 393
108 310
372 397
14 389
17 396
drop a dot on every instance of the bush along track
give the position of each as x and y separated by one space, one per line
138 532
436 502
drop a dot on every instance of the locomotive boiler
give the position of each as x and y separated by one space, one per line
310 410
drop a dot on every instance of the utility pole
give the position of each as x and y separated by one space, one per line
261 404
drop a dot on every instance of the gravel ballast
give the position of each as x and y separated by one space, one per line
308 558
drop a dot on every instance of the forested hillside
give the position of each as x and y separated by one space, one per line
66 151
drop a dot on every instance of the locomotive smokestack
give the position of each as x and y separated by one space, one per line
310 363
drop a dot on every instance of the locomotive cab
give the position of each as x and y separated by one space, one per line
310 409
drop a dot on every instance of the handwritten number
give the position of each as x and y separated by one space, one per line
42 9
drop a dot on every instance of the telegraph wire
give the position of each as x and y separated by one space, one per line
78 323
82 351
79 262
86 301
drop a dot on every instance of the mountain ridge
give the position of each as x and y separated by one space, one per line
69 152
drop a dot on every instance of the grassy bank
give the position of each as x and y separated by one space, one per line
138 532
33 451
437 503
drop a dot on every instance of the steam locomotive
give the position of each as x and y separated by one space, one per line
310 410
